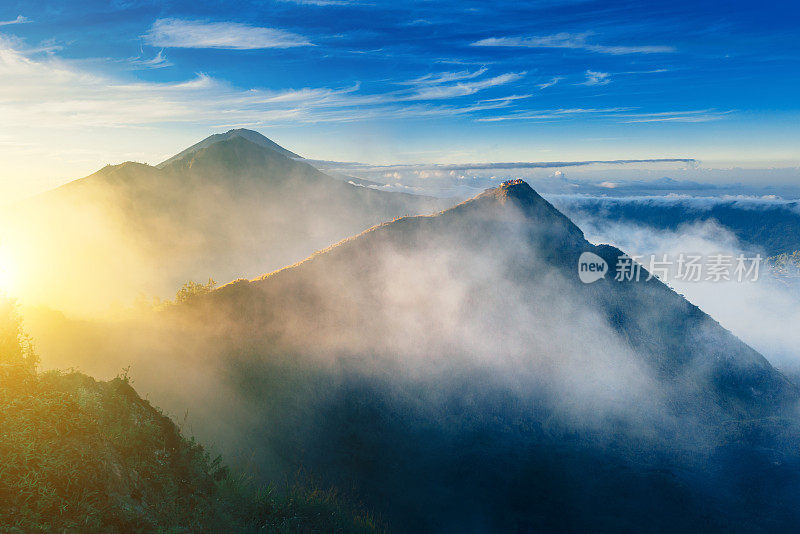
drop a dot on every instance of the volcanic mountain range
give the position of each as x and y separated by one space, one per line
451 368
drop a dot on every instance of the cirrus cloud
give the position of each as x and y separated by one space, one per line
438 92
182 33
597 78
52 93
575 41
19 20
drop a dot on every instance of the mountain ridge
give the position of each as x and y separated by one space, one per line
518 192
467 334
515 211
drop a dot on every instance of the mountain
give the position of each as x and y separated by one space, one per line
226 207
250 135
454 371
515 237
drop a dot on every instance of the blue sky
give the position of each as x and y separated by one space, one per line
86 83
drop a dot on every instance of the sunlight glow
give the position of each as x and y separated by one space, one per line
8 275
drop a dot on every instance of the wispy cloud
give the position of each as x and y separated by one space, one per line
575 41
438 92
551 82
698 115
651 71
597 78
618 114
320 2
182 33
54 93
507 98
418 22
555 114
156 62
19 20
444 77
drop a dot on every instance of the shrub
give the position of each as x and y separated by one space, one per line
192 289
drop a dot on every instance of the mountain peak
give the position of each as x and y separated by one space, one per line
250 135
517 194
514 189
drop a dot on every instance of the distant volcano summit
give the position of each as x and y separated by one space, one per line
252 136
235 204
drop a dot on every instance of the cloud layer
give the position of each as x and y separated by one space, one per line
57 93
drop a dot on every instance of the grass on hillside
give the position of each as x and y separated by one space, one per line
80 455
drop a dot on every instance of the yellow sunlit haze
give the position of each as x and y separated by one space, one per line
8 273
67 256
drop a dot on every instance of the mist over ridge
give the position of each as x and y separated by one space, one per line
390 362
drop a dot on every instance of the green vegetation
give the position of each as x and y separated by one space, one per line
192 289
17 357
80 455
